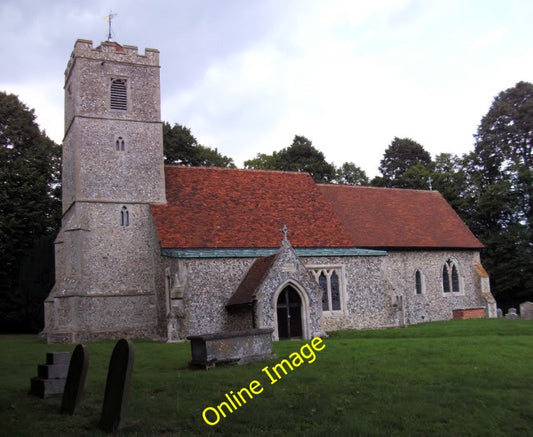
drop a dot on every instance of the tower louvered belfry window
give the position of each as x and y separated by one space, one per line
119 94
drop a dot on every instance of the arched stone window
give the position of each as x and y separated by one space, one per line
451 282
124 216
420 282
120 144
329 279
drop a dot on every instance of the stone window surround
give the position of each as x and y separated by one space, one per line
124 217
450 262
128 93
422 282
120 143
328 269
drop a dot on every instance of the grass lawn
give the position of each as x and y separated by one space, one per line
465 377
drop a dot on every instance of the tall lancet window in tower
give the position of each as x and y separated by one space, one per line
119 94
124 216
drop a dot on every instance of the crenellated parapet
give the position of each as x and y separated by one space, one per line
113 52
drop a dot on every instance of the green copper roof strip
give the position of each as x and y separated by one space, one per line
254 253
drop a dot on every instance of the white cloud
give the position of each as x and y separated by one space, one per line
489 38
246 77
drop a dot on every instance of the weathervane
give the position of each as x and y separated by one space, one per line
109 19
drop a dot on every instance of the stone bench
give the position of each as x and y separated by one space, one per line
236 347
468 313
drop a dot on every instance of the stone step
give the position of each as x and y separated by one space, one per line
58 358
52 371
47 387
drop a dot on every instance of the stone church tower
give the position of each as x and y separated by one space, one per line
107 250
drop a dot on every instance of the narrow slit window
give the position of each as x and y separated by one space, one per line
455 279
124 217
323 282
446 279
335 292
119 94
419 281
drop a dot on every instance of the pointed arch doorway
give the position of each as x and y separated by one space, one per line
289 311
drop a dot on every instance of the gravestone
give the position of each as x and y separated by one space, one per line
526 310
77 372
499 312
117 386
511 314
51 377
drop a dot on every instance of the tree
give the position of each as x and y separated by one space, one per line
350 174
30 199
181 147
501 192
402 154
299 156
450 179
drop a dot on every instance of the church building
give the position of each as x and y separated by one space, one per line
165 252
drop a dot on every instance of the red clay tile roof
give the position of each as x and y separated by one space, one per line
226 208
397 218
244 294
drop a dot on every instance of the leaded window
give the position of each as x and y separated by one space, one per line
330 281
451 282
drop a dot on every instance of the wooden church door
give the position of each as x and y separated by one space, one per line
289 308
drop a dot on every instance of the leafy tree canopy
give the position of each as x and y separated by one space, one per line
504 146
402 154
30 205
181 148
500 192
299 156
351 174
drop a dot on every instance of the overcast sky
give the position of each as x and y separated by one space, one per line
248 75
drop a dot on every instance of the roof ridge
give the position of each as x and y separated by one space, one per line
204 168
379 188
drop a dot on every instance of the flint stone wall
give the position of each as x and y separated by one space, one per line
371 289
433 304
105 275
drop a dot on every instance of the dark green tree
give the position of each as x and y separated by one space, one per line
450 179
299 156
30 205
402 154
350 174
180 147
262 161
501 192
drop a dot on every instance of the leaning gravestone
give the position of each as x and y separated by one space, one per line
77 372
117 386
511 314
526 310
